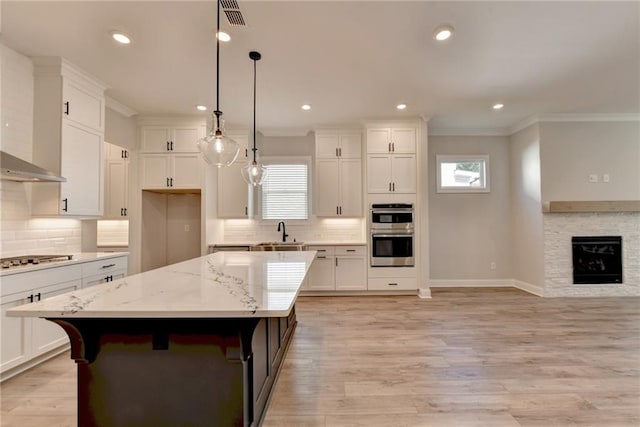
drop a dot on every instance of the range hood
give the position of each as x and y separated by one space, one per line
16 169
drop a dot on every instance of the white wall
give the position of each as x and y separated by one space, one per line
527 234
469 231
20 233
120 130
571 151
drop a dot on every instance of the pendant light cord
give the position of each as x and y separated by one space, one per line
218 113
254 111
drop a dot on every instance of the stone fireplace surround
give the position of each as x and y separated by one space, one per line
558 230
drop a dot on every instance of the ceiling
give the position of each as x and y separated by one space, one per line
351 60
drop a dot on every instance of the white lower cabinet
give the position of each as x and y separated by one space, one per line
393 284
338 268
322 273
25 339
108 270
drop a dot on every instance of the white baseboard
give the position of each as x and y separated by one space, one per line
424 293
488 283
528 287
478 283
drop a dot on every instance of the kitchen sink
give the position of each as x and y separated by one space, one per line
279 246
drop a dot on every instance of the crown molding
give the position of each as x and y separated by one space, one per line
536 118
285 131
469 132
119 107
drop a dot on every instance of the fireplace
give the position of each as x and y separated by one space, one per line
597 259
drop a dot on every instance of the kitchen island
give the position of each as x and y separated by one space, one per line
197 343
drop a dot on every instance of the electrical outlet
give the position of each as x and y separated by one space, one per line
493 265
605 177
187 227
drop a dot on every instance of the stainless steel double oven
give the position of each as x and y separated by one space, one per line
392 234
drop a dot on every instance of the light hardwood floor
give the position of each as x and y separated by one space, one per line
467 357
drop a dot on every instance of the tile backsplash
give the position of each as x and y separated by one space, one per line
315 230
113 233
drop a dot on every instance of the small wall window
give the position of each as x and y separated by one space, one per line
285 190
462 173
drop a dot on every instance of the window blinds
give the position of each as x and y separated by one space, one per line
284 192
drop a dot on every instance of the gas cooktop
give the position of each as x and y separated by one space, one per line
18 261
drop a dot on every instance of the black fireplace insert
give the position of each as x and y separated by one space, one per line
597 259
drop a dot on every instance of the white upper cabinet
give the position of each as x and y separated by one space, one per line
68 139
391 140
116 182
170 158
338 145
173 171
83 106
167 139
391 159
338 174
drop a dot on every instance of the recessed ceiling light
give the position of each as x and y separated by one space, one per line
201 107
121 37
306 107
498 106
401 106
224 37
443 32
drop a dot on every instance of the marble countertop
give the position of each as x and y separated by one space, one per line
220 285
77 258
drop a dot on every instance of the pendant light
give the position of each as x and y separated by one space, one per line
216 148
253 172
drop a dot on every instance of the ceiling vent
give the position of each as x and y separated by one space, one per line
232 12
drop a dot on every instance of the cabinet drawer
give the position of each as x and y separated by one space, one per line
49 276
323 250
351 250
103 267
391 284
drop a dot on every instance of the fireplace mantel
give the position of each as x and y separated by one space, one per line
578 206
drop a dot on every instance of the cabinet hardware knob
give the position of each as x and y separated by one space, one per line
171 145
336 262
246 210
393 147
340 210
393 284
66 110
168 146
389 147
340 151
108 266
351 250
121 211
66 205
39 296
394 186
30 298
336 152
167 181
125 211
389 186
171 180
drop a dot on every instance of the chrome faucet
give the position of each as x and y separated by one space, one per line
284 233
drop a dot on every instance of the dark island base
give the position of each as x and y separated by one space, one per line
176 372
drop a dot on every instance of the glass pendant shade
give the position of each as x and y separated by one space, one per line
254 173
217 149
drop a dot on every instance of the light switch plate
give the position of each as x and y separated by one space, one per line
593 177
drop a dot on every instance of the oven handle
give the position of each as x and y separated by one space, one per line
409 233
390 211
